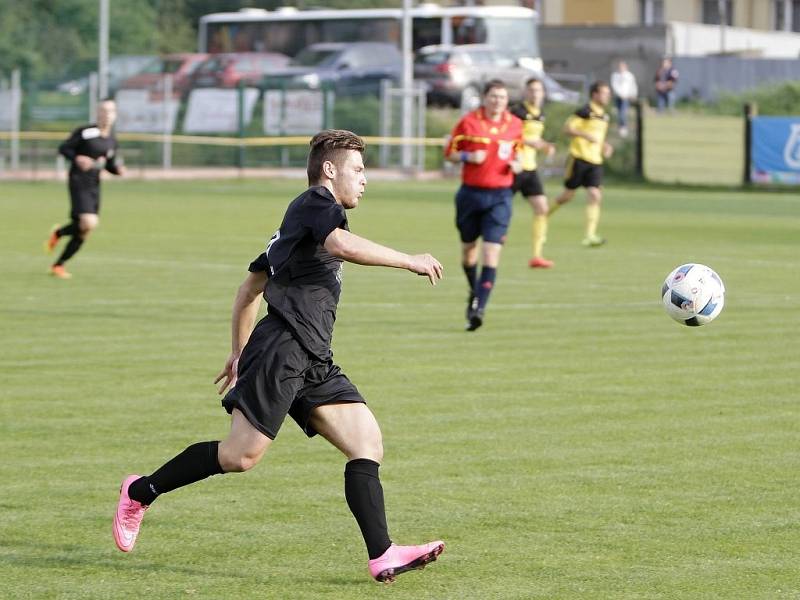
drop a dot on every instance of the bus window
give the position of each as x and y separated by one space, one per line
426 32
514 36
468 30
363 30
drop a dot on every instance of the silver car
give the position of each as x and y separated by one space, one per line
455 75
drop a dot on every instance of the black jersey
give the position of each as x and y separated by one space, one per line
305 279
87 141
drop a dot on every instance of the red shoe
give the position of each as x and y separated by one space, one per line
399 559
60 272
540 263
51 241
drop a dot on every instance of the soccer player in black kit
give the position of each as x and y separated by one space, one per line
284 365
90 149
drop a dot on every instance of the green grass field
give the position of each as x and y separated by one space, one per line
580 445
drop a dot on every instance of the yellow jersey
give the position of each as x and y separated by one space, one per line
532 128
592 119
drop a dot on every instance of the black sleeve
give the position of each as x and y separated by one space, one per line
584 112
260 263
325 220
113 164
69 147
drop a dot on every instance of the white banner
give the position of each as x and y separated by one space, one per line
294 111
7 110
215 110
140 111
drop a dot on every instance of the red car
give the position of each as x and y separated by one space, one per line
227 70
180 66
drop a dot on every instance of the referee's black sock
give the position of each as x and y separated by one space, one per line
471 271
364 494
74 244
485 285
71 228
197 462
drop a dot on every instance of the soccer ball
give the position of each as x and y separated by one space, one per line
693 294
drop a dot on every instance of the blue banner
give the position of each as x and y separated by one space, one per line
775 150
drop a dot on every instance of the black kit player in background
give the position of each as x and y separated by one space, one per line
284 365
90 149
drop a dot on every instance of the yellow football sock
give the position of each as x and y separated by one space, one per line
553 208
592 219
539 234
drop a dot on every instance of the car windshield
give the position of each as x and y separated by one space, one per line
311 57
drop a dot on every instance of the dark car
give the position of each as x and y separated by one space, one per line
180 66
227 70
455 75
348 68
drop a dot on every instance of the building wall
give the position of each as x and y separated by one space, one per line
754 14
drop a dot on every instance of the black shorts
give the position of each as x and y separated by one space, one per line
83 199
278 376
580 173
528 183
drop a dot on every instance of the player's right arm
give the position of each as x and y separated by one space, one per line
356 249
245 311
69 150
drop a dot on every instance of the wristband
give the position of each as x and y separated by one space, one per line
464 155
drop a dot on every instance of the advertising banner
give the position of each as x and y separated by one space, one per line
140 111
295 112
215 110
775 150
7 109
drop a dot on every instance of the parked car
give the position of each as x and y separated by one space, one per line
455 75
349 67
180 66
120 67
228 69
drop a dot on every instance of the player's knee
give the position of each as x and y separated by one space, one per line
239 462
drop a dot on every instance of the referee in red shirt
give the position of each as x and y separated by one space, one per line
486 141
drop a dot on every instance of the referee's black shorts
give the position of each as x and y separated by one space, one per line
580 173
278 376
84 198
528 183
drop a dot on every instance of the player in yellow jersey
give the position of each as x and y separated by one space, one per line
527 182
588 128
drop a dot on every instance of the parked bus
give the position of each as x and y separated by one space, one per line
289 30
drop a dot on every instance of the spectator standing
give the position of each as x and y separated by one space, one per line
666 80
623 84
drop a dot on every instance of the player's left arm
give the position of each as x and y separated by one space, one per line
115 164
356 249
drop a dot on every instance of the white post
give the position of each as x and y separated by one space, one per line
102 63
92 97
408 78
165 115
722 9
16 97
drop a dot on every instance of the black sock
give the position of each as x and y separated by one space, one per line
364 494
70 229
471 271
197 462
485 286
72 247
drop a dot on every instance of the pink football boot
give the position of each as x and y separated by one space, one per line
128 517
399 559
